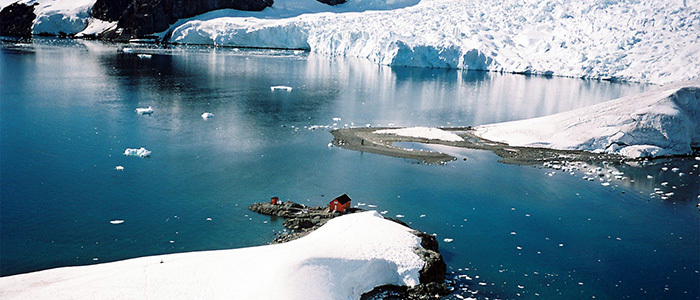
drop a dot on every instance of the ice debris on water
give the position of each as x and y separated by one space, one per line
207 115
127 50
115 222
281 88
144 110
141 152
448 240
119 168
144 56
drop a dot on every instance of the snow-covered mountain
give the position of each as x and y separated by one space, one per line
638 40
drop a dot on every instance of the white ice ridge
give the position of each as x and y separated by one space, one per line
142 152
144 110
665 121
423 132
348 256
643 40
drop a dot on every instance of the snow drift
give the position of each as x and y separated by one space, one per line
348 256
665 121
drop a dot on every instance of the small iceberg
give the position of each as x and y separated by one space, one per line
281 88
141 152
207 115
115 222
144 56
144 111
128 50
119 168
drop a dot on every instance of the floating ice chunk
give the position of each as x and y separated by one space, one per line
141 152
281 88
144 111
400 216
513 233
675 170
208 219
605 184
144 56
115 222
336 119
448 240
207 115
119 168
128 50
664 169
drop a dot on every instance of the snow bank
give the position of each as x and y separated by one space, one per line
346 257
665 121
645 40
423 132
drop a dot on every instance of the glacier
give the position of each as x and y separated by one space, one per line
638 40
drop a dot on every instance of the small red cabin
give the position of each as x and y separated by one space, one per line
274 200
340 204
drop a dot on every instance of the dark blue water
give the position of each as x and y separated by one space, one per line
67 114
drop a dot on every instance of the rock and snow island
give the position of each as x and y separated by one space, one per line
661 122
645 41
348 256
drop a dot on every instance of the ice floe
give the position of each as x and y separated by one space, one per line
144 110
207 115
116 222
119 168
281 88
348 256
141 152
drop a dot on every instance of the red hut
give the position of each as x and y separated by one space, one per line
274 200
340 204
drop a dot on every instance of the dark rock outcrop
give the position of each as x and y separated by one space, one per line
139 18
16 20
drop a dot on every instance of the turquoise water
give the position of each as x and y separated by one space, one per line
67 114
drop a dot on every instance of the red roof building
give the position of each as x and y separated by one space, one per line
340 204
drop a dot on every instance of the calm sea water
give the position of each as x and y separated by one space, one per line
67 114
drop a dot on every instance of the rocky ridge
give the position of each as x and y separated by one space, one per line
16 20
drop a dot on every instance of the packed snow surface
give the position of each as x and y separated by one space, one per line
423 132
643 40
665 121
348 256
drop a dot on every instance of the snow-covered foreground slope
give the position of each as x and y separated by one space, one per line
643 40
346 257
665 121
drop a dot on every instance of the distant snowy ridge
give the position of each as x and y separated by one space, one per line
345 258
661 122
643 40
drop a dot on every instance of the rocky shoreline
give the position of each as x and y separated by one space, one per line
302 220
365 139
